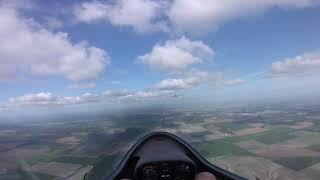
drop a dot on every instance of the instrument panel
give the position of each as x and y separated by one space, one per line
166 171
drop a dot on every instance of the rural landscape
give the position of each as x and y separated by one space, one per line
81 81
256 142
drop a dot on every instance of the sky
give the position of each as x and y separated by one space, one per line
66 53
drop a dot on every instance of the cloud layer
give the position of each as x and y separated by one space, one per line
48 99
189 80
305 64
202 15
175 55
29 49
141 15
178 15
196 78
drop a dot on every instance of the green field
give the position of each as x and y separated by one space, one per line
297 163
226 146
219 148
229 127
274 136
44 156
199 134
31 176
101 168
15 175
76 160
47 176
315 147
268 137
314 128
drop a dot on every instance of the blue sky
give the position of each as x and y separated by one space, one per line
113 51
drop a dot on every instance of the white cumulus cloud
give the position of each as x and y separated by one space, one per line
133 95
29 49
201 15
121 93
47 98
177 54
178 15
196 78
172 84
305 64
234 82
82 85
141 15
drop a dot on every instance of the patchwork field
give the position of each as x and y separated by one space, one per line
282 151
249 131
71 140
80 174
253 167
219 147
56 169
273 152
312 171
230 127
302 125
306 138
259 143
251 145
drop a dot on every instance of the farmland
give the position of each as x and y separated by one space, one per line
253 142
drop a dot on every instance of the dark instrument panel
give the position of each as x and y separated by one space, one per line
166 171
164 156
